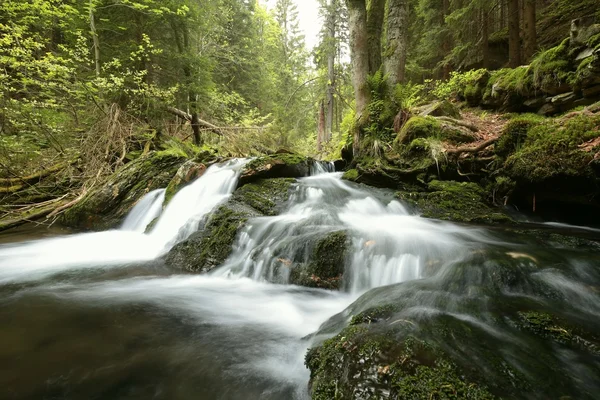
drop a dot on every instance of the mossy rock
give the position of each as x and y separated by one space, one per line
486 327
325 267
416 128
454 201
188 172
552 150
514 134
440 109
107 205
283 165
265 195
213 243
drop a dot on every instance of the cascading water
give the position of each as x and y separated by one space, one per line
144 212
74 329
389 244
30 261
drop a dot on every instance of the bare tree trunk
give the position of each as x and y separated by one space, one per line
447 44
331 52
375 16
529 30
396 41
514 40
485 37
95 39
321 133
359 46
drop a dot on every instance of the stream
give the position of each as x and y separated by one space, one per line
100 316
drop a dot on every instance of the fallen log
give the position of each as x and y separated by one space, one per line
31 215
12 185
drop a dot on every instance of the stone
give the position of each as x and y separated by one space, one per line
441 109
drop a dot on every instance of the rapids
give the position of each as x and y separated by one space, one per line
98 315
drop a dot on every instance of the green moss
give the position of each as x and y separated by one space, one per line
454 201
474 94
419 127
326 265
515 132
594 42
265 195
351 175
360 363
552 150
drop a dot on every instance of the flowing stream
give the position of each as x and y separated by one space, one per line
99 316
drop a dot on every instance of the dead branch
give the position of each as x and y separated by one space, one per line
190 118
12 185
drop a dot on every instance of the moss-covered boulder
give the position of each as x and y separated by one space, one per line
325 266
213 243
484 328
440 109
416 128
454 201
282 165
107 204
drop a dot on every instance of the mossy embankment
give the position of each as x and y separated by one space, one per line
538 151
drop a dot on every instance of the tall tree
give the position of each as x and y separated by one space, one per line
359 48
396 41
529 29
375 17
514 31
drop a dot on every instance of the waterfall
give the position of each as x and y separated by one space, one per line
32 260
388 243
144 212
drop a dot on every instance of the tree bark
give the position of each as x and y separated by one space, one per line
321 134
375 16
95 39
331 52
196 122
529 30
396 41
447 42
359 47
485 37
514 40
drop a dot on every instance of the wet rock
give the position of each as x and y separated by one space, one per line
105 206
213 243
440 109
188 172
282 165
439 337
325 267
454 201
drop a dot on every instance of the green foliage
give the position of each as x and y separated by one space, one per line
457 84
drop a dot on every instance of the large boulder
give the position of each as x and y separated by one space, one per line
326 264
454 201
107 204
281 165
500 325
213 243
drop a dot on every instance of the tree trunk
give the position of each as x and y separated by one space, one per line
375 16
514 40
321 134
95 39
359 47
331 52
485 38
396 41
529 30
447 42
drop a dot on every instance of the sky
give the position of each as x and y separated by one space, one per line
310 24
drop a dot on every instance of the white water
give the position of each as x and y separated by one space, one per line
259 326
38 259
145 211
389 244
